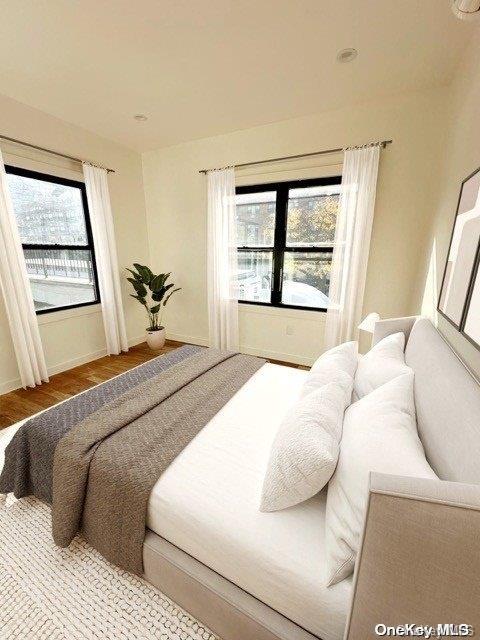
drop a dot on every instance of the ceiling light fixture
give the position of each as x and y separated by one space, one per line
347 55
140 117
466 9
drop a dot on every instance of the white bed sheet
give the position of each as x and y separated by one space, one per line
206 503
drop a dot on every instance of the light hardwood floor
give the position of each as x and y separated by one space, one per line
22 403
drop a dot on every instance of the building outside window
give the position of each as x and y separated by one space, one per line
285 238
54 226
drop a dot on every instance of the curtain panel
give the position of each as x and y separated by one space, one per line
106 258
222 260
17 294
352 244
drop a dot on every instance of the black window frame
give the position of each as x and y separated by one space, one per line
280 248
47 177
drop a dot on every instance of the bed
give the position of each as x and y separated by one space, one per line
203 518
258 576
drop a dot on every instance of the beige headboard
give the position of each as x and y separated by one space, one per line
447 399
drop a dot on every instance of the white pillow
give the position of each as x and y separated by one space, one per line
384 362
343 357
305 450
336 365
379 434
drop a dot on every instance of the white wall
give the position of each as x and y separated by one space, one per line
436 137
436 140
461 154
72 337
176 205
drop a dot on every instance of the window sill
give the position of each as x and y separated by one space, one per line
282 312
65 314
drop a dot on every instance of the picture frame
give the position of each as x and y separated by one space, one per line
459 299
471 325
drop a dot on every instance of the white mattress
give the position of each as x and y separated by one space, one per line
206 503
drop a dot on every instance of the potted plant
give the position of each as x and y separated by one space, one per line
153 293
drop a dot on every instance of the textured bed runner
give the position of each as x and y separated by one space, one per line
47 593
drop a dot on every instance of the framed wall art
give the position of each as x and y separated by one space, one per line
459 300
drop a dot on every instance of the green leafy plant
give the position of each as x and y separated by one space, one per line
152 292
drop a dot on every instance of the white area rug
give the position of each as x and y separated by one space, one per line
47 593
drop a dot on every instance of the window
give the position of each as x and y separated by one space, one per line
285 237
54 226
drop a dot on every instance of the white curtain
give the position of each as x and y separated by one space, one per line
352 243
18 295
106 258
222 260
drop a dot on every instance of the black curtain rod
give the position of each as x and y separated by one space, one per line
383 143
55 153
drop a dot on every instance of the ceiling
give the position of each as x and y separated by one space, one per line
202 67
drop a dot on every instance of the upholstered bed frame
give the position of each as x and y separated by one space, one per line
420 554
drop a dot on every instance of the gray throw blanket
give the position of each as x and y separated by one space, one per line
106 466
28 468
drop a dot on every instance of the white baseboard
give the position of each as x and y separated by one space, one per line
138 340
11 385
179 337
89 357
76 362
278 355
262 353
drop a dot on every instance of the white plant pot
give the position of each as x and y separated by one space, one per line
156 339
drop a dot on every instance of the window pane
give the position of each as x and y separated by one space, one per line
60 277
256 219
254 276
312 214
46 212
306 279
